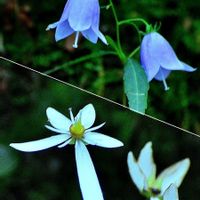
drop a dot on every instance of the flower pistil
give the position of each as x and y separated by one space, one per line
75 45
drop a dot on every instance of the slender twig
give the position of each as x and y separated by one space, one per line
134 52
133 20
79 60
122 56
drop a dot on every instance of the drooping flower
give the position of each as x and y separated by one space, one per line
79 16
158 58
78 131
143 174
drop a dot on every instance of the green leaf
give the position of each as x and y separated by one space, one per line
136 86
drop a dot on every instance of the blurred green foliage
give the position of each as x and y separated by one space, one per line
51 174
26 41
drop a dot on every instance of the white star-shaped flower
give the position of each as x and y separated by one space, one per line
79 131
143 174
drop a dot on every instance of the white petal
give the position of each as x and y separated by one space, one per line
171 193
88 180
65 143
135 172
154 198
146 162
101 140
95 128
87 116
58 120
174 174
56 130
38 145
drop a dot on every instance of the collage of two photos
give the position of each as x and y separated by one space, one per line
99 100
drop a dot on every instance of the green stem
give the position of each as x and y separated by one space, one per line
133 20
134 52
79 60
121 54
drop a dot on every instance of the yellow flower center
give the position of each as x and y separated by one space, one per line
77 130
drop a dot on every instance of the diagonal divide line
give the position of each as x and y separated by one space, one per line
105 99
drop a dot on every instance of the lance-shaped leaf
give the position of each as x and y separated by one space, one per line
136 86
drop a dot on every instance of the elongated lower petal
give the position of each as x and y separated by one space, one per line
38 145
171 193
102 140
88 180
136 173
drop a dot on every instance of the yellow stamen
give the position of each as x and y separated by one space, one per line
77 130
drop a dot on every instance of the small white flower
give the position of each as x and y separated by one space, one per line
78 131
143 174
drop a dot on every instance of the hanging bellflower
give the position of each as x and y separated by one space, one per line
158 58
78 131
79 16
143 174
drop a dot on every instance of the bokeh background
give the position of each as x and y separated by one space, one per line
23 39
51 174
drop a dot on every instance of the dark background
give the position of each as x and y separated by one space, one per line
51 174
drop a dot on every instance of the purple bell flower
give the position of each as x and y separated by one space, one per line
79 16
158 58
